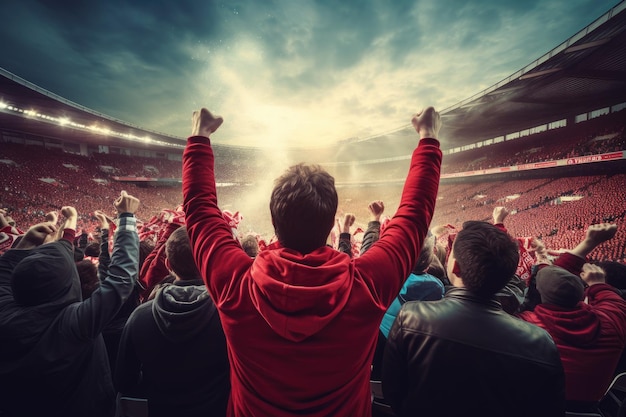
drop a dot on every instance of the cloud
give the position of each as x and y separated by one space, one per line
281 72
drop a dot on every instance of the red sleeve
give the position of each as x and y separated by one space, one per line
153 269
211 238
606 299
394 254
570 262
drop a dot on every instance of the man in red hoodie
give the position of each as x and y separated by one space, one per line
586 317
301 319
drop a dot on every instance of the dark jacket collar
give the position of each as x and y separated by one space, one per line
463 294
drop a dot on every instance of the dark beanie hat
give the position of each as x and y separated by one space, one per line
45 275
559 287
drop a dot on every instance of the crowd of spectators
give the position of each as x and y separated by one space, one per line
602 135
164 252
554 209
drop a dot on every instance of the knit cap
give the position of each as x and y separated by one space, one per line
559 287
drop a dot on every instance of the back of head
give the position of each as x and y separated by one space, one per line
88 274
615 274
426 255
303 207
47 275
179 255
559 287
250 245
440 252
145 248
486 257
92 249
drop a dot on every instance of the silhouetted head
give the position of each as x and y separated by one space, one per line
179 256
303 207
483 257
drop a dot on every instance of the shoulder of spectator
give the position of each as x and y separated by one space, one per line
594 289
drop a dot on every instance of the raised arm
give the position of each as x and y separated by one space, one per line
573 260
372 234
345 242
37 235
218 255
98 310
104 259
596 235
499 214
605 298
390 260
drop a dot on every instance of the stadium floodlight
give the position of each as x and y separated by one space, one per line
63 121
3 105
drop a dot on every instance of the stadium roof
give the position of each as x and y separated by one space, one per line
584 73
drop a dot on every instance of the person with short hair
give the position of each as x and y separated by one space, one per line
250 245
301 319
173 349
464 355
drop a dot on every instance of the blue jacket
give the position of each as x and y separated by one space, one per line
422 287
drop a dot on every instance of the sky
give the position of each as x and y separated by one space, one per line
280 72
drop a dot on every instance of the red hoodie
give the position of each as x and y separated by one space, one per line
590 338
302 329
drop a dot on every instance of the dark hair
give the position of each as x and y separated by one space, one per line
92 249
179 255
145 248
615 275
426 255
88 274
303 207
486 257
250 245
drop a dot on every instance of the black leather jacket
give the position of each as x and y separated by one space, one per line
463 355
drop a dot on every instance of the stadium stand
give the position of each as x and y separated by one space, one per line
557 168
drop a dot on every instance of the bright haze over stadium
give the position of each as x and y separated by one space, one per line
284 72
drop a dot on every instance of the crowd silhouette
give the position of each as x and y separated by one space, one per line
132 286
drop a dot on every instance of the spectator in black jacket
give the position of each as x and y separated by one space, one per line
463 355
53 360
173 349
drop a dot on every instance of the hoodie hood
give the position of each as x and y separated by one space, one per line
47 275
577 326
298 295
43 284
182 310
